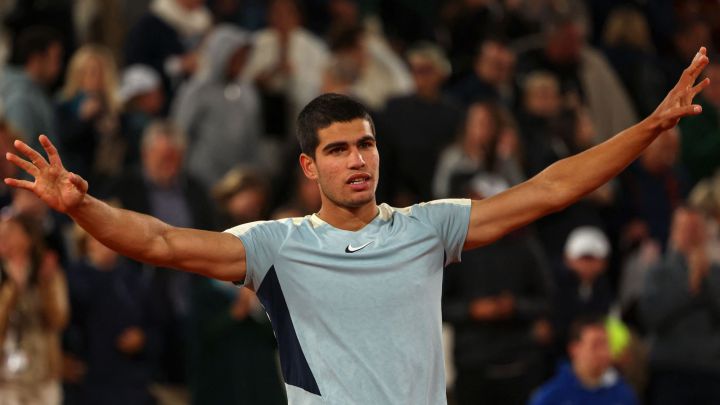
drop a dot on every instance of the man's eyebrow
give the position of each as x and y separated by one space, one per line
345 143
334 145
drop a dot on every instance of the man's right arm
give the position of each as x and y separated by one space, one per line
144 238
138 236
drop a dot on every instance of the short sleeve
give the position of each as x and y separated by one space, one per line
261 240
450 219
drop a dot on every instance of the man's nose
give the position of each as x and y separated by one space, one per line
356 160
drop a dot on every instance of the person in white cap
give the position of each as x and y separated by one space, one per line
582 287
143 98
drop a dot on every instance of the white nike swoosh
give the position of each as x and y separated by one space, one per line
351 249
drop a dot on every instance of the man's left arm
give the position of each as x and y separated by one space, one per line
567 180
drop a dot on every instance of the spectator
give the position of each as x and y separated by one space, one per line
233 356
33 311
589 379
242 196
492 76
652 187
584 75
582 286
115 326
700 143
166 38
498 301
629 49
382 73
488 144
88 114
417 127
23 86
142 96
681 306
218 111
163 189
287 64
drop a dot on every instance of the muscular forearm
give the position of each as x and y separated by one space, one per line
571 178
129 233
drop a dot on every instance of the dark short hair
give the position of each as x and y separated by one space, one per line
32 41
579 325
324 111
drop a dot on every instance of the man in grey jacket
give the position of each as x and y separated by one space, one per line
35 64
681 307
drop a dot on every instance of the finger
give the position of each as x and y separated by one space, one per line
79 182
683 111
691 73
37 159
699 87
22 163
51 151
19 183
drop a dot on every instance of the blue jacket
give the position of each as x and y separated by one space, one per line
566 389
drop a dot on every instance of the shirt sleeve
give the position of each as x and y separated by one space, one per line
450 219
261 241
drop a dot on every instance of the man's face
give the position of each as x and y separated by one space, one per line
346 164
52 63
591 354
162 160
428 78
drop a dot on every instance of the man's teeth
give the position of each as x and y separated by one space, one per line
357 181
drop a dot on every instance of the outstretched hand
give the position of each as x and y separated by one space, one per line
60 189
679 101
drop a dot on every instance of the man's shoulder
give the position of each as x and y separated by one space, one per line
269 227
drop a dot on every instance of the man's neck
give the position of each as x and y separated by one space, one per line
587 379
348 218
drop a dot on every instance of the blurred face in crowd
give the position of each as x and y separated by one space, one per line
162 159
662 154
151 102
93 77
480 126
689 40
427 76
495 63
49 64
687 231
588 268
590 354
344 12
15 240
237 62
565 43
284 15
346 164
542 97
246 205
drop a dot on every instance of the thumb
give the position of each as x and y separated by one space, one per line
79 182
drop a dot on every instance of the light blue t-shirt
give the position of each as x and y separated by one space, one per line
357 313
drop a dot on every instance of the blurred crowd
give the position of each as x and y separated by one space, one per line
184 110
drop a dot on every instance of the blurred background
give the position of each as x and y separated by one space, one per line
185 109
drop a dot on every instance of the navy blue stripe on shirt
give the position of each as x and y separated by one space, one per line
295 368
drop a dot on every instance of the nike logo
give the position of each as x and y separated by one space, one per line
351 249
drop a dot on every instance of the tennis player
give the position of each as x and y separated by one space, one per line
353 291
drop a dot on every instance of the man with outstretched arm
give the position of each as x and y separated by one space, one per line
353 291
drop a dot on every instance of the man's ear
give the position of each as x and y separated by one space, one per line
308 166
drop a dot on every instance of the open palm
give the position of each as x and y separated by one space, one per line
58 188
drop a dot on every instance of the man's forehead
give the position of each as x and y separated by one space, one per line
345 131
